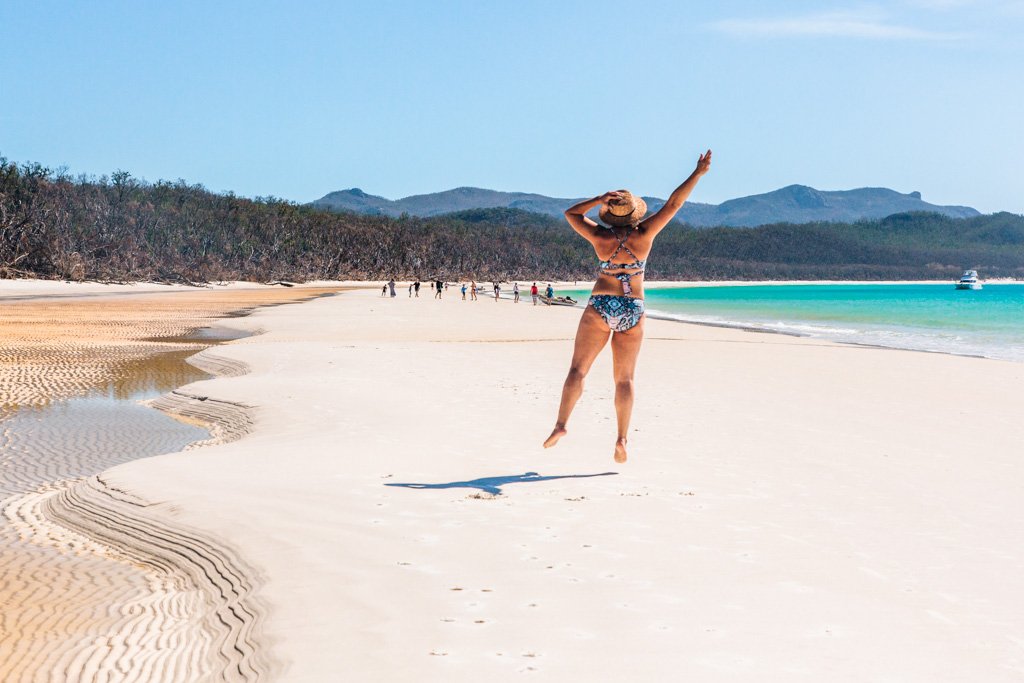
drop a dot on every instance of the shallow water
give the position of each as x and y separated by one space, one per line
45 592
926 317
81 436
78 607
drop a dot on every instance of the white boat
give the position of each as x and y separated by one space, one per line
969 280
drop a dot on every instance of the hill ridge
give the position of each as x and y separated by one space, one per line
795 203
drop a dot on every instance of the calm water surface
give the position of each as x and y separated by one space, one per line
928 317
84 435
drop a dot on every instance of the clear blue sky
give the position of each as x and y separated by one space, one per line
296 99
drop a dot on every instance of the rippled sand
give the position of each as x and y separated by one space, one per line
93 587
51 349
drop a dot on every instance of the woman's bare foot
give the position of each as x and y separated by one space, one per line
557 433
620 450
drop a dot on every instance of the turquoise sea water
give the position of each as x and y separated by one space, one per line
928 317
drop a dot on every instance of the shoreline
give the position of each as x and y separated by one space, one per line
745 283
750 327
764 329
27 289
801 335
805 335
13 287
34 289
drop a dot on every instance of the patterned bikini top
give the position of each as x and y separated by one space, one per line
637 263
624 278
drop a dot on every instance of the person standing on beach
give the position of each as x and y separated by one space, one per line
472 289
440 288
391 286
384 290
515 292
416 285
410 290
497 292
533 292
463 291
616 306
549 292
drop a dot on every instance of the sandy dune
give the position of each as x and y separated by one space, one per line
791 510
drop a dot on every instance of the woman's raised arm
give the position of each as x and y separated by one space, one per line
659 220
577 213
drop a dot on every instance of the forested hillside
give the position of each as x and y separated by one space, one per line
119 228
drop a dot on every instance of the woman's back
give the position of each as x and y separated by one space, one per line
622 259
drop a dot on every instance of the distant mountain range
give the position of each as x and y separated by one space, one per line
792 204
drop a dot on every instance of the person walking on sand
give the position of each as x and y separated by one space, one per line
472 289
384 290
416 286
549 292
497 292
515 292
391 286
533 292
410 290
616 306
463 291
440 288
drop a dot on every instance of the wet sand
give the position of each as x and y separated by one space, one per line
93 587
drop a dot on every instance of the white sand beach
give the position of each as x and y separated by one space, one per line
792 510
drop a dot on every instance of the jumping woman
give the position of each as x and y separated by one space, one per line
616 306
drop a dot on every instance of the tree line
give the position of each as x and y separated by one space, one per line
120 228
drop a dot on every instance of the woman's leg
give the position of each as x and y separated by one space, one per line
591 336
625 349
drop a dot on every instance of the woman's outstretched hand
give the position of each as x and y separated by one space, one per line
704 163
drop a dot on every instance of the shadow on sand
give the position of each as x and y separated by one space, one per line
493 485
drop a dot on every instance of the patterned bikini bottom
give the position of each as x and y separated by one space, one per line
620 313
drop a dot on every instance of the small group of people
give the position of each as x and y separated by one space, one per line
472 289
439 287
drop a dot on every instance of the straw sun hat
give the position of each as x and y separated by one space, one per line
626 210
